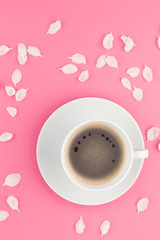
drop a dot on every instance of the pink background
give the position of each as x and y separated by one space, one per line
45 215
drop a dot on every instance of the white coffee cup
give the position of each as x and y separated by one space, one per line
130 156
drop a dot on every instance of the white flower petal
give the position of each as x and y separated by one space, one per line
133 72
105 226
22 59
13 203
83 76
80 226
153 133
6 136
22 53
78 58
22 50
158 42
16 76
12 111
101 61
159 146
126 83
10 91
129 43
108 41
21 94
147 74
111 61
137 93
34 51
4 49
142 204
54 27
12 180
69 69
3 215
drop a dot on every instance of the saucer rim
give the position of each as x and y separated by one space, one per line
61 108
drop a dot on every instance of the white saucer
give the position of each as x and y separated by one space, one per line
58 126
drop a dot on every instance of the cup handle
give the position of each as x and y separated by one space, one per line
140 153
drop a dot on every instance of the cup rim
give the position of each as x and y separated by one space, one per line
99 187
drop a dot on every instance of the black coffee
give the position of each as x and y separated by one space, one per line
94 153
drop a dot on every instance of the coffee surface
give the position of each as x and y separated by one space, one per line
94 153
